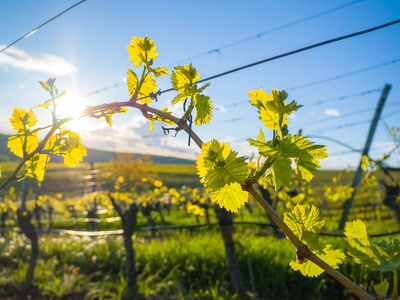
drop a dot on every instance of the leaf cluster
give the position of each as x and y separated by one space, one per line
284 150
223 173
184 80
306 225
142 51
58 141
382 255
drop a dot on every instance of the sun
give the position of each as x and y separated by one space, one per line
71 105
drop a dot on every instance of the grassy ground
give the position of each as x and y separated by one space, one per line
182 264
177 265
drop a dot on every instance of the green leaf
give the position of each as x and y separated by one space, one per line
297 149
159 71
308 268
201 89
22 118
305 153
381 289
75 152
48 85
142 50
280 173
389 254
20 144
151 125
178 98
231 196
332 257
148 86
264 148
203 109
360 246
273 109
380 256
218 165
36 167
45 104
155 117
132 82
305 224
68 144
184 79
357 230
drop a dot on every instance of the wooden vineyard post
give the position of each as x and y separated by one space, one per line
357 177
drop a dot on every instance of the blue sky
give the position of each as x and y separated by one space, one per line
86 49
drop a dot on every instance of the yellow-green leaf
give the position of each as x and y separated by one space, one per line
218 165
308 268
231 196
19 144
68 144
184 79
148 86
76 151
381 289
160 71
154 117
151 125
132 82
291 148
44 104
382 256
203 109
280 173
22 118
273 109
36 167
48 85
305 224
357 230
142 50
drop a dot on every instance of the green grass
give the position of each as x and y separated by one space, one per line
178 265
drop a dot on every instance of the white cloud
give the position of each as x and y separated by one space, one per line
177 110
135 137
138 121
34 61
338 163
332 112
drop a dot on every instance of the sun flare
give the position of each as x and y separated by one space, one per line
71 105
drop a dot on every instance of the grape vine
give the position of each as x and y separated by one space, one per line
229 178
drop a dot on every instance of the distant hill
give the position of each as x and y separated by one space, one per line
94 155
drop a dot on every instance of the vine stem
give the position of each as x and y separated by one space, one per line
145 109
267 164
302 249
395 284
